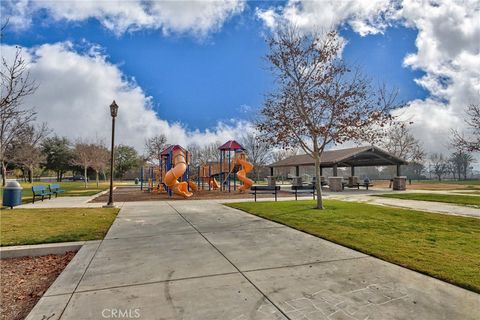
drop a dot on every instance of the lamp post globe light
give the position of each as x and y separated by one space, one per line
113 113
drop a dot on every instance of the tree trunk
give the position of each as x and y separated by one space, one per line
4 174
96 173
85 176
30 175
318 182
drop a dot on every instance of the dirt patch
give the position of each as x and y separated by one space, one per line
128 194
25 280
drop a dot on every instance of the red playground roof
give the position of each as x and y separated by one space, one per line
231 145
172 148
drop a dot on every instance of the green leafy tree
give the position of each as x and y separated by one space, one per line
126 158
59 155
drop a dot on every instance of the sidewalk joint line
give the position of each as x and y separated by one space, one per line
154 282
248 279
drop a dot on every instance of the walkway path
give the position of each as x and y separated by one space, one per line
431 206
201 260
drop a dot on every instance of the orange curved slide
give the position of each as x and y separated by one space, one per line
179 168
214 184
193 185
242 174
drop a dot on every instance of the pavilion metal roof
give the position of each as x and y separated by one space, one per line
358 157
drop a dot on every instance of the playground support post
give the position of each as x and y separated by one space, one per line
229 164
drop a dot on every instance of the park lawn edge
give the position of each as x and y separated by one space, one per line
423 196
464 285
63 236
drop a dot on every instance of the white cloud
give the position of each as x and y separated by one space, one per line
75 90
448 51
365 17
186 16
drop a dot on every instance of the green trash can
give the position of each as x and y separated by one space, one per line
12 194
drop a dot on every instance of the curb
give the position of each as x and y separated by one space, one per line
40 249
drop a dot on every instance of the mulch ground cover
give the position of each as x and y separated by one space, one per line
25 280
127 194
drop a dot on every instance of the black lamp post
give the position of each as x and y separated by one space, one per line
113 113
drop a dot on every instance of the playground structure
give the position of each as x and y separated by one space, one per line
172 175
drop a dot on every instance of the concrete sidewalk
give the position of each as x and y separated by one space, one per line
201 260
437 207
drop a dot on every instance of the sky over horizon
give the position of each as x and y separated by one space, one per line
195 70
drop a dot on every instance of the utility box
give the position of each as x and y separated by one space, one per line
12 194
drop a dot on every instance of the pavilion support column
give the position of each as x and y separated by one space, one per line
297 171
321 171
352 169
399 182
335 171
271 171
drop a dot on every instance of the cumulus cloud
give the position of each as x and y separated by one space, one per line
365 17
76 88
448 51
189 16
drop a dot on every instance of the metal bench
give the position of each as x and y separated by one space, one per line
264 190
55 189
308 189
40 191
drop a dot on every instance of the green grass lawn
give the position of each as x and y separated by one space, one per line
461 182
447 198
72 189
32 226
443 246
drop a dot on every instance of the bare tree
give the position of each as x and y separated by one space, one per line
204 154
16 84
258 151
154 147
319 100
99 158
440 165
82 156
399 141
460 162
27 149
471 142
281 154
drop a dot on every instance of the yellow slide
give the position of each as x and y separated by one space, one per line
242 174
179 168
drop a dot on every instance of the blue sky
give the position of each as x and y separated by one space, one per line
199 82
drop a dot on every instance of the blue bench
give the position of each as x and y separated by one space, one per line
40 191
55 189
